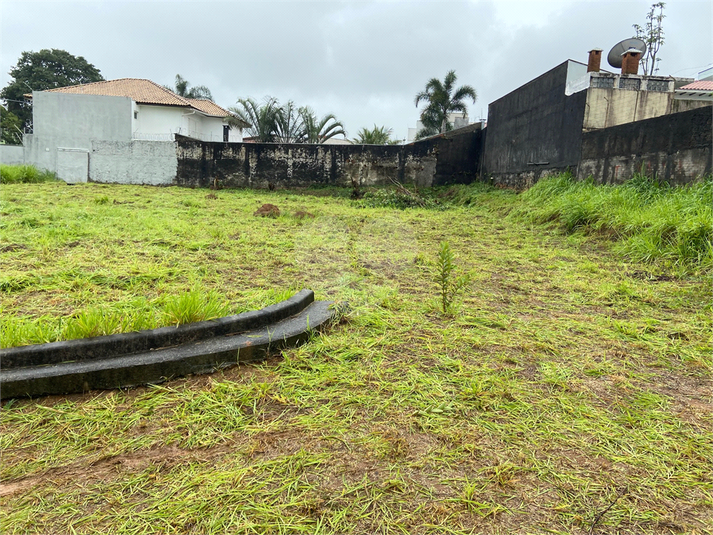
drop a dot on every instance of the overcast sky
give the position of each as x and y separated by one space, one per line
362 61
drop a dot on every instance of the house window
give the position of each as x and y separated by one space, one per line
226 133
136 115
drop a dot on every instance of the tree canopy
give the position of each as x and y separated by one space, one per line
183 88
46 69
11 127
272 123
379 135
441 99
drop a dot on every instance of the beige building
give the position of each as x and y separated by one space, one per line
614 99
626 97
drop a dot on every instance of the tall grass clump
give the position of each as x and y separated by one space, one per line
24 174
136 315
650 219
192 306
476 193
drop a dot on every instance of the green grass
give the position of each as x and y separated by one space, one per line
567 378
24 174
650 220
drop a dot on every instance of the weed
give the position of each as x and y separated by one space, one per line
400 199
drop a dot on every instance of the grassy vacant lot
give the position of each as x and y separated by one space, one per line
569 392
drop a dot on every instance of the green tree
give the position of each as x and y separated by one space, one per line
46 69
319 130
271 123
182 88
441 99
289 124
379 135
652 34
11 127
262 118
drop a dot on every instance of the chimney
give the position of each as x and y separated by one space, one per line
595 60
630 61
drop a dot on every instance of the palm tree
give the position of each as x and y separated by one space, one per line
442 99
271 123
319 130
262 118
289 124
182 89
379 135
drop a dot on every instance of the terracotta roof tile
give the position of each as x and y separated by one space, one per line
145 92
700 85
139 90
208 107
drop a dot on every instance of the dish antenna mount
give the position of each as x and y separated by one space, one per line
614 57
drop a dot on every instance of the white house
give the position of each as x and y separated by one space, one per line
119 130
157 113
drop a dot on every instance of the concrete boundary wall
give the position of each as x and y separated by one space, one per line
12 154
535 130
445 159
675 147
133 162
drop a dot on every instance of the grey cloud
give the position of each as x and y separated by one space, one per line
363 61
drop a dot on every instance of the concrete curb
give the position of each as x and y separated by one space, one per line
162 353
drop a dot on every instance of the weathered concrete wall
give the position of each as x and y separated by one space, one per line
675 147
451 158
534 131
458 155
133 162
12 154
612 107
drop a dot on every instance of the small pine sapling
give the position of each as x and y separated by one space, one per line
450 285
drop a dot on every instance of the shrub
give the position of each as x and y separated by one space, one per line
400 199
24 174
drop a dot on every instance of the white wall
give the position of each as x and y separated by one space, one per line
235 135
159 123
69 121
12 154
612 107
133 162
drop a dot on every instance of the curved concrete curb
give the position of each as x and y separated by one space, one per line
157 355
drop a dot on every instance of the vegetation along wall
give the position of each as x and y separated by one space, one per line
676 148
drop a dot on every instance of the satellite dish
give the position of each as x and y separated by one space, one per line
614 57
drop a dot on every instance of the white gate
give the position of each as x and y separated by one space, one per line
73 165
